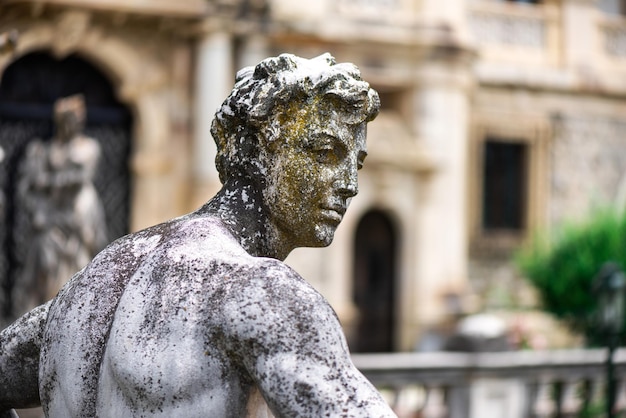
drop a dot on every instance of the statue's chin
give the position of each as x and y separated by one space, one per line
324 236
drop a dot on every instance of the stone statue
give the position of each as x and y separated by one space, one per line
65 218
199 316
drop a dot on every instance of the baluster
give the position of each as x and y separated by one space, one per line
531 388
595 396
620 396
435 403
571 402
390 394
543 404
409 400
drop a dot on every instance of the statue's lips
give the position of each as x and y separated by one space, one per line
333 214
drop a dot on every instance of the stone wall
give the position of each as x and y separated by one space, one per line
588 160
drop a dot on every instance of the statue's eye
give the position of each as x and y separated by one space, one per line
325 155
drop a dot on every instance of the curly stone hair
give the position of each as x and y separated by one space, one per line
250 114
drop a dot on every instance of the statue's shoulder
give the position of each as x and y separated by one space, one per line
273 311
272 287
196 245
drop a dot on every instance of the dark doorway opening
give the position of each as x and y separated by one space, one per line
374 283
28 89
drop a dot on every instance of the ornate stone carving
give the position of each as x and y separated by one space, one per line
199 316
615 41
500 29
71 27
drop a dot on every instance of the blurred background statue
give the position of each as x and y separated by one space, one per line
66 218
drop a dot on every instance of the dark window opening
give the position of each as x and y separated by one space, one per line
504 186
525 1
613 7
390 100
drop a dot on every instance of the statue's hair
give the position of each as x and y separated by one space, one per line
261 93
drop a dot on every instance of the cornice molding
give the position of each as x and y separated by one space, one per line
187 9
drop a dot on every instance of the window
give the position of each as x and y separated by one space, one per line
504 185
395 101
525 1
614 7
508 184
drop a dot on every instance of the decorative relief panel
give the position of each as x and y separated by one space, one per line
491 28
371 9
71 28
369 4
588 164
615 41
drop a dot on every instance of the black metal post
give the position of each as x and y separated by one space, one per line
610 376
609 285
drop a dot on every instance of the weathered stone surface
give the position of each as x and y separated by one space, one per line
199 316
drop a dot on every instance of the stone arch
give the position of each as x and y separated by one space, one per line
139 80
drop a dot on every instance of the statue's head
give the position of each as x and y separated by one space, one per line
295 129
69 115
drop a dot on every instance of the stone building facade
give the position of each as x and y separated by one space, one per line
533 91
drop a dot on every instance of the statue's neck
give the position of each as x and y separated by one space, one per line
240 206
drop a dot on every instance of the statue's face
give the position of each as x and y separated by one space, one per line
312 173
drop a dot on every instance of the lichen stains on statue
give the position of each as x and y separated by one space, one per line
199 316
295 128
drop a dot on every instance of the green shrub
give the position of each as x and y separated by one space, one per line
563 266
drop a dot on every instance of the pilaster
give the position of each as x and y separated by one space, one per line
213 82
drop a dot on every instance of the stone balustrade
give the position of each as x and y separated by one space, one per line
508 32
516 384
613 38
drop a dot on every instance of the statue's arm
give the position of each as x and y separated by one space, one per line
292 345
20 345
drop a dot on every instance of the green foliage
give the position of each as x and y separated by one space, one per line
563 268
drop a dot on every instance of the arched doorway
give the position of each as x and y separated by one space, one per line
28 89
374 283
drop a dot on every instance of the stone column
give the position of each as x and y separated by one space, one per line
213 82
441 106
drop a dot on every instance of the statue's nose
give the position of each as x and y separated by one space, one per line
348 183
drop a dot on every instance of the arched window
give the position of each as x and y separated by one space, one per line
374 289
28 89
